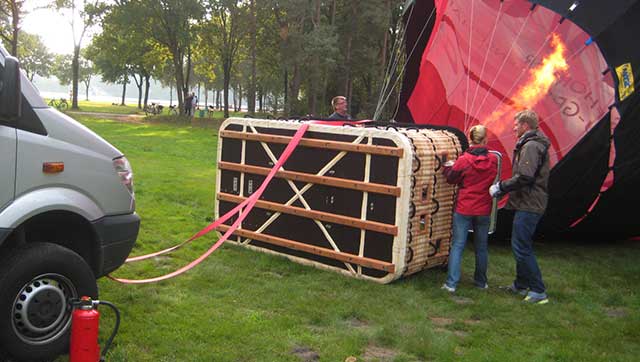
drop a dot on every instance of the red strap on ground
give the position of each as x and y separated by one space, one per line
234 211
250 202
247 205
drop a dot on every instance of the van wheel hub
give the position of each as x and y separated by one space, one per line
40 310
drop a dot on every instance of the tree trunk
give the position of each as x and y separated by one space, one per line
124 89
139 86
15 23
251 94
86 89
315 65
226 70
179 78
385 42
347 73
187 75
170 94
333 12
347 65
75 66
295 83
147 85
239 97
275 105
235 100
287 106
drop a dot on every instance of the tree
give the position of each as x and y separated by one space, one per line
11 14
108 63
172 24
123 49
224 31
63 70
35 58
83 15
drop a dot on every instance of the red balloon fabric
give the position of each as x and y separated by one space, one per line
485 60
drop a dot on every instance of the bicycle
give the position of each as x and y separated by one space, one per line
153 109
173 110
61 104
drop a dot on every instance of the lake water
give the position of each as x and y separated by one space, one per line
105 98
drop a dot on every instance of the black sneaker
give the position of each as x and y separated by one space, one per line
514 290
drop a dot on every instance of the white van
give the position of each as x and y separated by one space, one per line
67 217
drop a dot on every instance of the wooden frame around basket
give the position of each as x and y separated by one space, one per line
398 231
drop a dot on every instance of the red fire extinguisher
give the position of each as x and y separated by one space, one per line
85 323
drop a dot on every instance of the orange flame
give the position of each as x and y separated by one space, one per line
541 78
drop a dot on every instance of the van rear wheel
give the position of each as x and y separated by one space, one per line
37 281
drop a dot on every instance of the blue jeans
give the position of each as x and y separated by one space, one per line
461 226
528 275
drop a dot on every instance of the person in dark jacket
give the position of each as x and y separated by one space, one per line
339 104
473 172
528 196
188 103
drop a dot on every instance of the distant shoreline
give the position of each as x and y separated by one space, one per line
106 99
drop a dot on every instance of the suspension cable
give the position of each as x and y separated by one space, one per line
395 56
466 97
528 66
378 111
504 60
486 57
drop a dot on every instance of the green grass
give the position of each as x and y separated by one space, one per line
241 305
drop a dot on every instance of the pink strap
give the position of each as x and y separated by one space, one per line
232 212
250 202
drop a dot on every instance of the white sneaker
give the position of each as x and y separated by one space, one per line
448 288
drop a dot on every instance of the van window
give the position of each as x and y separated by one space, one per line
29 121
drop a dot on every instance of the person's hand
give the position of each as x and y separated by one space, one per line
449 163
495 190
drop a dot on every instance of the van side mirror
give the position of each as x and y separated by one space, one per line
10 91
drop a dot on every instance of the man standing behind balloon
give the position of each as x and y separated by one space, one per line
528 196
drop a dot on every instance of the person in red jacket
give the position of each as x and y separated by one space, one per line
473 172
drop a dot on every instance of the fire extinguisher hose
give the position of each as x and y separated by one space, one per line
107 344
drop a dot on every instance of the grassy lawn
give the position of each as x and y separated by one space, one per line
240 305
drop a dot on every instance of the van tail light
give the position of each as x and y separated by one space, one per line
123 169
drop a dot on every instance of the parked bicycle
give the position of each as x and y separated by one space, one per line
61 104
173 110
153 109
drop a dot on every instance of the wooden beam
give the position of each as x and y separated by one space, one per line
314 179
315 143
296 245
316 215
